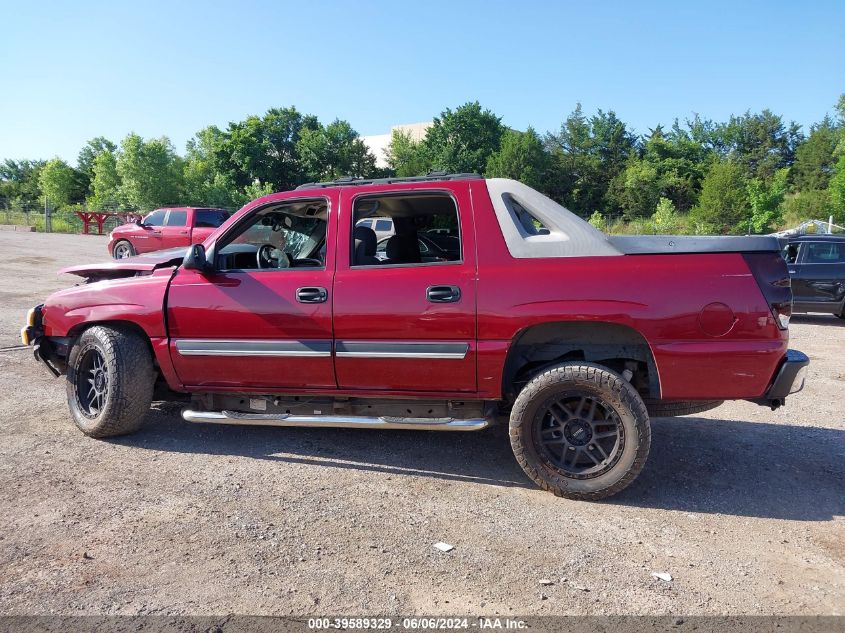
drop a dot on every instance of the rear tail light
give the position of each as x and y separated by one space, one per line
769 269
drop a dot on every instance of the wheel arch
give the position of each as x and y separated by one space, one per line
127 326
542 345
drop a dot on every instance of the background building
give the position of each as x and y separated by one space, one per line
378 143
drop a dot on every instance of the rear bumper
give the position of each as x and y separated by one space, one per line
789 379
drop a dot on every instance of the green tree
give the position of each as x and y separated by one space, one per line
463 139
723 204
334 151
586 155
521 157
766 201
150 172
680 161
90 151
105 183
761 143
836 188
837 192
207 177
814 158
20 181
636 190
665 219
406 157
598 221
58 183
266 148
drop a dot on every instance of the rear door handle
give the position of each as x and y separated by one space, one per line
312 295
443 294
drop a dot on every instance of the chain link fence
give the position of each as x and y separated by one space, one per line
66 220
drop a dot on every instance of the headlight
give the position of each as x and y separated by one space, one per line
25 336
30 317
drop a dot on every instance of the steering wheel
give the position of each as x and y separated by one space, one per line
271 257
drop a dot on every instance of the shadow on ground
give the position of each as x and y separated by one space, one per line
828 320
696 464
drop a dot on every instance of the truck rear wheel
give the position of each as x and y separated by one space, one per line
580 430
110 380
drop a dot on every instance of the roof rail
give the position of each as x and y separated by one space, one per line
346 181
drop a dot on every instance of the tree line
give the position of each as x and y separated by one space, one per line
754 172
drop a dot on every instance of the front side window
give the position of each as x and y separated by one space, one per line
406 230
790 253
156 218
286 235
177 218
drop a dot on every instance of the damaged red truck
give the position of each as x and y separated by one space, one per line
285 316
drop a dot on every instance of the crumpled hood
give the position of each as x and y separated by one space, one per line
128 267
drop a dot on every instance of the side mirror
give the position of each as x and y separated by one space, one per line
195 259
139 221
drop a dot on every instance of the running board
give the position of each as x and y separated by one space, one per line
334 421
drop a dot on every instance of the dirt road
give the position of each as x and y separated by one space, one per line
742 506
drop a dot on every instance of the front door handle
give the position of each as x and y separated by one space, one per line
443 294
312 295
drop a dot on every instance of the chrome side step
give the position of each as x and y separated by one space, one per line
334 421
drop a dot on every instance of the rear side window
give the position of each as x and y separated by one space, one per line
156 218
210 219
527 220
824 253
407 219
177 218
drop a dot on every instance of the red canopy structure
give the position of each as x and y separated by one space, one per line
100 218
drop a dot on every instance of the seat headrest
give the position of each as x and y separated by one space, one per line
403 249
365 241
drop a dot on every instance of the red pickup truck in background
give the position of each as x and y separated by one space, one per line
165 228
285 316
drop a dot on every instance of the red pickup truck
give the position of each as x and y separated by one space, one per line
285 316
165 228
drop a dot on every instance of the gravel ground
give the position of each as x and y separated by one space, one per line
742 506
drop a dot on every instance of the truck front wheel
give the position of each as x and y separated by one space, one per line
580 430
110 380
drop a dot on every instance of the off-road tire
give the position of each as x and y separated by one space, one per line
121 243
130 374
594 381
668 409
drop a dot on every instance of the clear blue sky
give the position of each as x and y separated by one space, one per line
75 70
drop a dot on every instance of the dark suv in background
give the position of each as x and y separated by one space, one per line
817 267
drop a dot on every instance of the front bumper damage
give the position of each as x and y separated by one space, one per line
51 352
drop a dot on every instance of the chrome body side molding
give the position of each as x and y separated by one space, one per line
378 349
246 347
